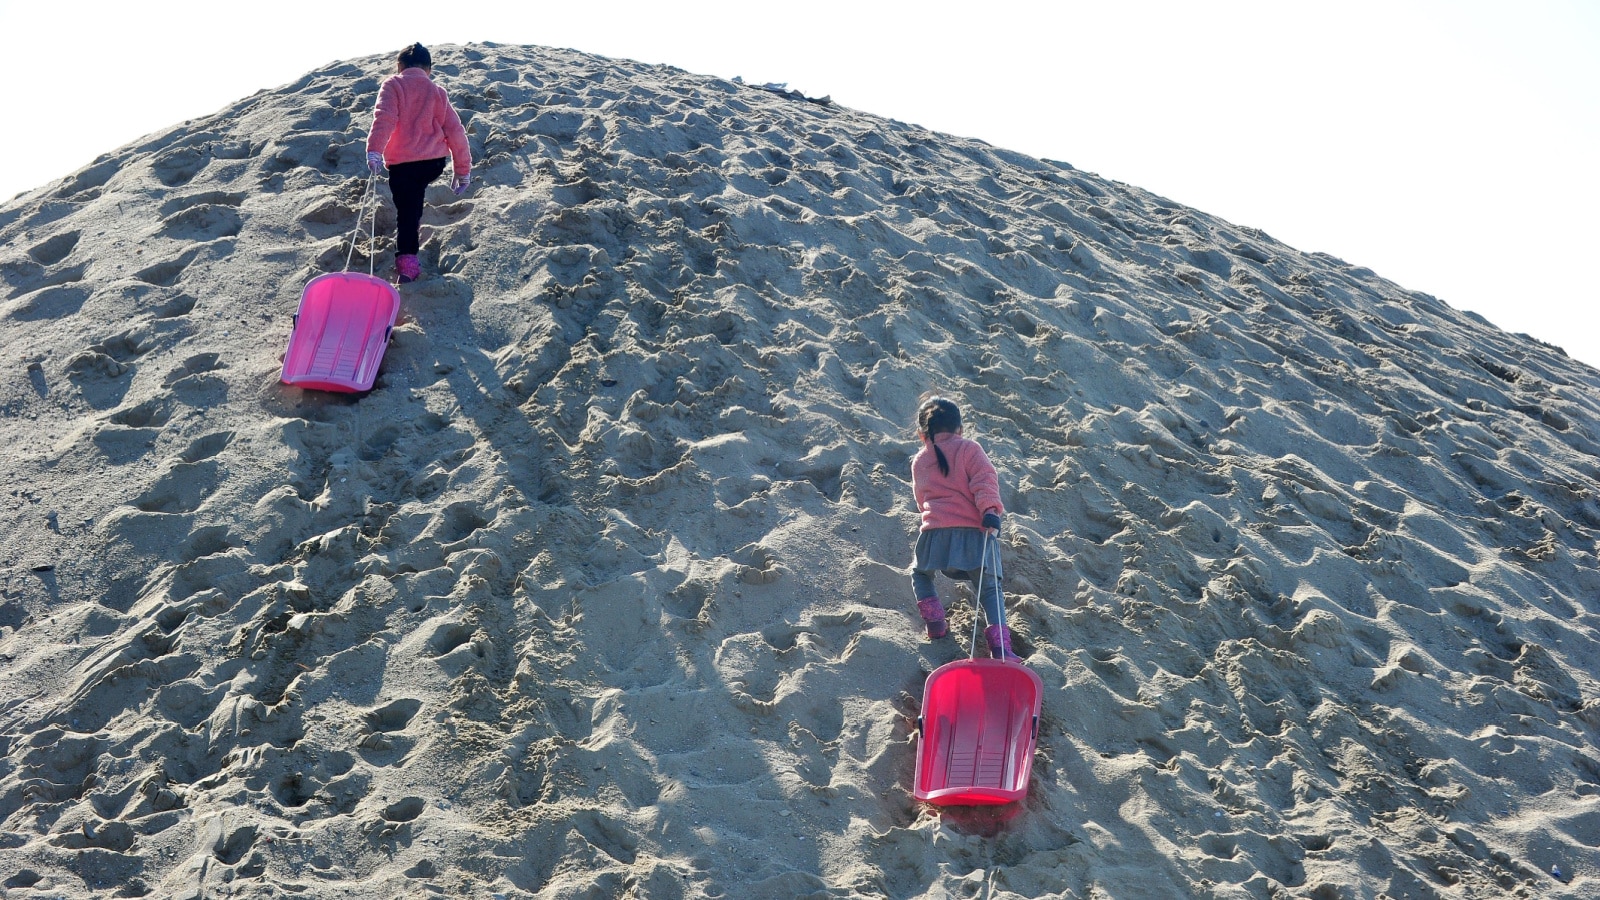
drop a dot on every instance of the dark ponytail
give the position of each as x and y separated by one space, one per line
938 416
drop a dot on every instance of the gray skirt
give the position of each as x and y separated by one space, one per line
954 550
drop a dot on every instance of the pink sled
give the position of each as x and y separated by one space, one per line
340 332
977 732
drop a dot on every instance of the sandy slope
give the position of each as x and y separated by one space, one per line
600 592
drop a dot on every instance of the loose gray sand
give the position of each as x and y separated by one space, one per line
601 591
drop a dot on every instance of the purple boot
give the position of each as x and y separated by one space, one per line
999 637
933 614
408 267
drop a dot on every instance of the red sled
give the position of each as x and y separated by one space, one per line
977 732
340 332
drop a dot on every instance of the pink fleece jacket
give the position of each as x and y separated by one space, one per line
415 121
960 499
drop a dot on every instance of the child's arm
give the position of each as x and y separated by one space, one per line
455 137
384 118
983 482
916 486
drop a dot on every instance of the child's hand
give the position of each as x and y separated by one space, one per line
460 182
375 162
991 522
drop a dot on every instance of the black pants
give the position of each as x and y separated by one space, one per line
407 184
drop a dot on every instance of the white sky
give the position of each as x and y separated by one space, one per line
1450 145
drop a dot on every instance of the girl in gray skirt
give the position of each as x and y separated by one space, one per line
958 495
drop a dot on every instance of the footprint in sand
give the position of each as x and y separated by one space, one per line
689 600
829 634
405 809
449 636
378 445
293 790
757 564
181 490
175 307
425 868
393 716
124 348
202 198
325 151
178 166
193 366
205 222
118 837
458 522
331 216
304 780
58 766
187 703
383 727
99 377
820 644
167 272
232 850
48 303
152 413
25 878
92 178
211 540
54 250
613 838
206 447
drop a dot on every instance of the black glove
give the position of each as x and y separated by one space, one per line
991 520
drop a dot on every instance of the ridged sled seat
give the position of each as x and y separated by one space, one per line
978 728
340 332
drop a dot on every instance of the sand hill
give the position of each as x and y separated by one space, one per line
601 592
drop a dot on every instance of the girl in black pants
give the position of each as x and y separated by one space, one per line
407 184
413 127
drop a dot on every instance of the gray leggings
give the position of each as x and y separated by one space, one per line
989 594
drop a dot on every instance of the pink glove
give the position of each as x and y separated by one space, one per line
375 162
460 182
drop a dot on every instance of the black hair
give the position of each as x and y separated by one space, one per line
938 415
415 56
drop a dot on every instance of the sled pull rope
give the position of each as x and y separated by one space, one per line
977 597
367 199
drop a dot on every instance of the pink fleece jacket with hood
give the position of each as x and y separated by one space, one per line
960 499
415 121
